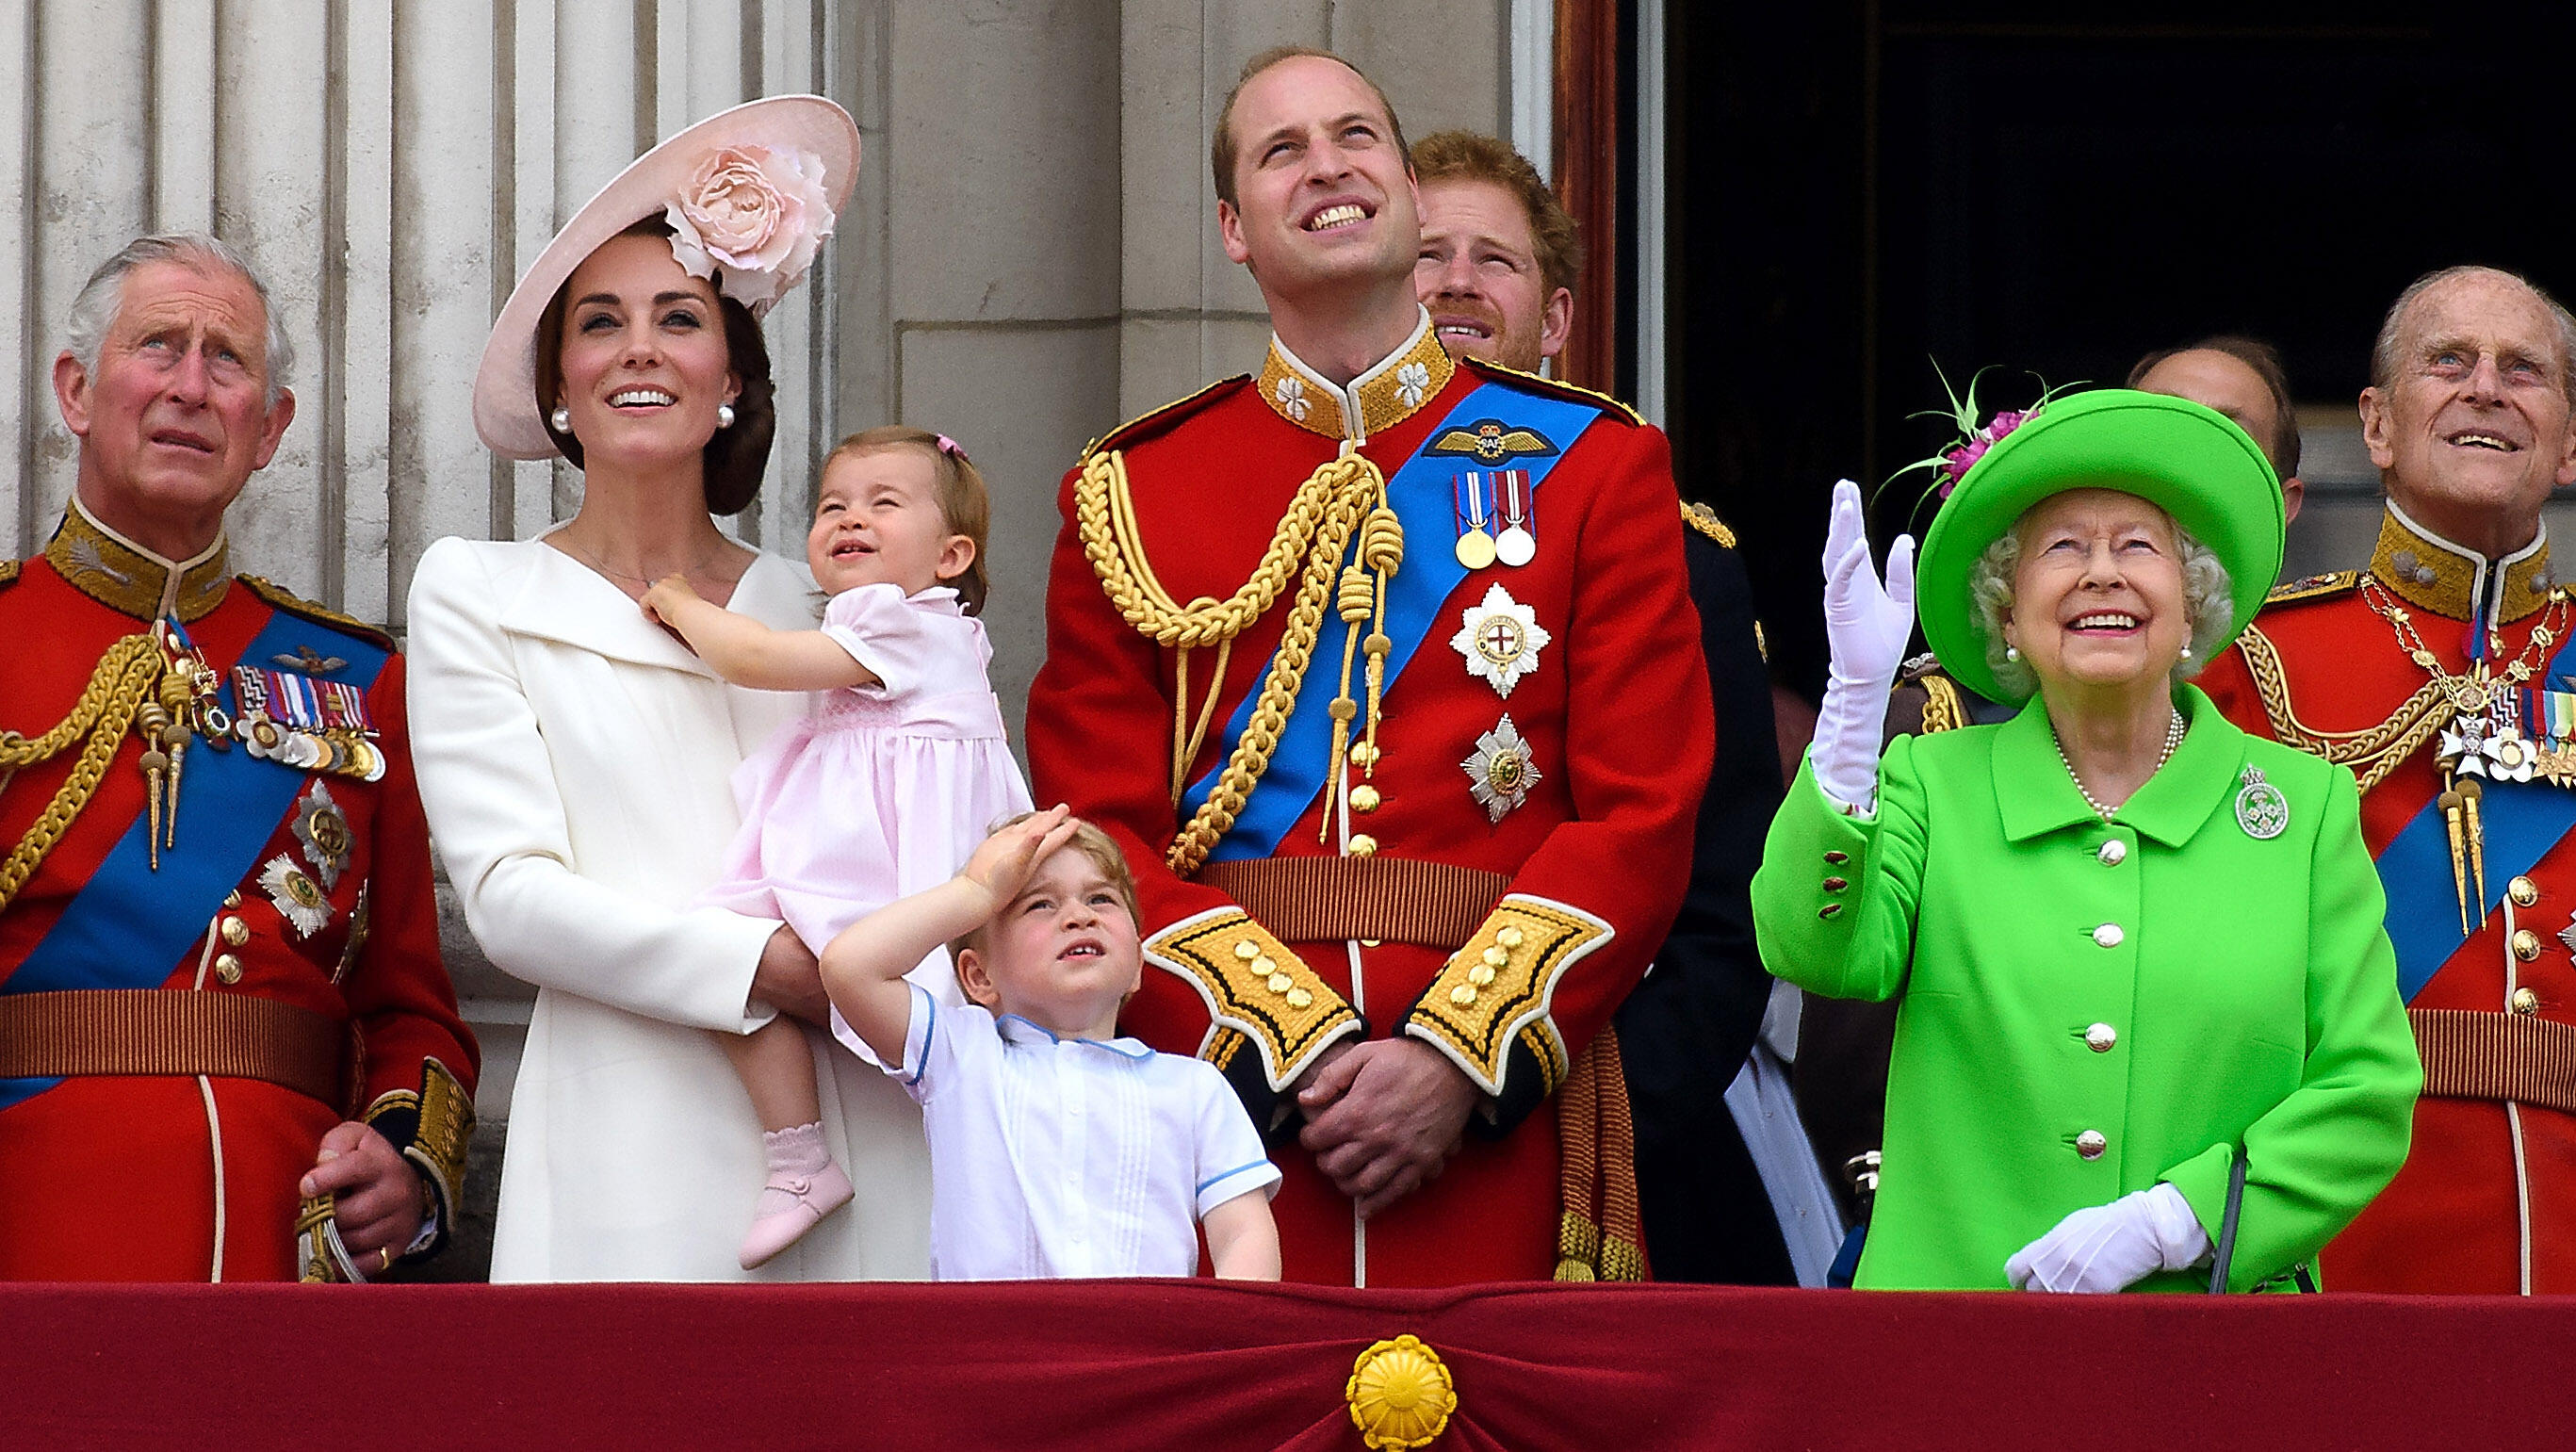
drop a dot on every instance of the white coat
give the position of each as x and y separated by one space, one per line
575 763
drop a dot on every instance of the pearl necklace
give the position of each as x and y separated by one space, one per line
2173 738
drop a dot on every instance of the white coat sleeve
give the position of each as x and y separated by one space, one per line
497 817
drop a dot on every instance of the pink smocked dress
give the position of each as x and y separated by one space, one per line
881 791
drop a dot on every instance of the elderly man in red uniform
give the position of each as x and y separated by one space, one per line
228 1049
1381 667
2441 676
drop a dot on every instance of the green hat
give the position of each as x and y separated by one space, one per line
2191 461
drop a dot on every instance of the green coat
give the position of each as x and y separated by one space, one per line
2233 989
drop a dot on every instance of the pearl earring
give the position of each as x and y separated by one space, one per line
561 419
724 415
2012 652
2186 652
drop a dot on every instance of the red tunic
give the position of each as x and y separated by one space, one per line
1616 715
2487 1182
130 1178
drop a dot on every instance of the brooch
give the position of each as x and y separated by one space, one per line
298 900
1501 772
1500 640
324 831
2261 809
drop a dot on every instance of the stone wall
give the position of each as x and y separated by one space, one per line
1030 256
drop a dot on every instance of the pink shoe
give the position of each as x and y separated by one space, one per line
790 1205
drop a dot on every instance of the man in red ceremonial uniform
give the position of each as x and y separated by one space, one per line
2441 676
228 1048
1382 669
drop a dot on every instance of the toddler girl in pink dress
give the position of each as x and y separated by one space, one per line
891 780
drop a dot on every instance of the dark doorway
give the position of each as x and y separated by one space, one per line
1858 189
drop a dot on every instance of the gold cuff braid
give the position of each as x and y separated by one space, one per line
1498 988
1254 989
433 1127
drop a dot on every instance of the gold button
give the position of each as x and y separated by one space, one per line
235 931
1509 937
1836 884
1263 967
1364 754
2526 944
2091 1144
1496 956
1364 798
2100 1038
1372 942
1462 995
232 899
1299 998
1480 975
1281 982
2525 1001
2523 891
228 967
1247 950
1363 845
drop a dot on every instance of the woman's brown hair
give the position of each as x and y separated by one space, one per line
956 483
737 457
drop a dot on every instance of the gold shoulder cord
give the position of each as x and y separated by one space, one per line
1344 495
116 691
2372 752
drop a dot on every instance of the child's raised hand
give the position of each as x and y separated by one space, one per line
666 591
1003 863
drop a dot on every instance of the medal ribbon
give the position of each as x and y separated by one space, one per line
2524 821
129 926
1424 495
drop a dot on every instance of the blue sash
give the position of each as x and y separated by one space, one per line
2524 820
1423 495
129 926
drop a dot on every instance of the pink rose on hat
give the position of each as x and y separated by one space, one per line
759 212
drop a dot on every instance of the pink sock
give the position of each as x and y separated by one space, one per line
798 1152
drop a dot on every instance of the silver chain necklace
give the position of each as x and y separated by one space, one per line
2173 738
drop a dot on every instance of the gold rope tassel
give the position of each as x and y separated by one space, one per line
1600 1233
107 705
1307 546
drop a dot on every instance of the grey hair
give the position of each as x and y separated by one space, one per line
103 296
2383 351
2208 602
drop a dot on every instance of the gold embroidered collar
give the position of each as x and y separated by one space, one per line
1376 401
2431 573
127 578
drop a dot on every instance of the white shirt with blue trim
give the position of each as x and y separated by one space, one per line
1054 1157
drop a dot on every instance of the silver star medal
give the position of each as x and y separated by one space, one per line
298 899
1501 640
1501 772
2261 809
324 833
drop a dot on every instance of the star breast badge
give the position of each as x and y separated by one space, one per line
1500 640
1501 772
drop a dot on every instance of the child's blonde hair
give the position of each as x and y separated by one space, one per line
964 506
1093 844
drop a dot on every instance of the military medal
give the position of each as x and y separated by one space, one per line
298 899
306 724
1474 512
1517 545
1501 772
1500 640
2261 809
324 833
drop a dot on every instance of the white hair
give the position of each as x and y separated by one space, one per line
2208 602
103 296
2384 361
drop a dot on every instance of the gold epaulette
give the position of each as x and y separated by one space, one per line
1704 519
1254 989
8 573
1496 991
1536 384
294 604
1170 413
1944 708
2315 587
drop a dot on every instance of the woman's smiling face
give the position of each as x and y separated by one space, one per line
644 358
2098 593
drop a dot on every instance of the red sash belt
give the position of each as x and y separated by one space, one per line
152 1031
1325 899
2511 1056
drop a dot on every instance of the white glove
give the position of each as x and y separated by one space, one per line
1867 626
2104 1248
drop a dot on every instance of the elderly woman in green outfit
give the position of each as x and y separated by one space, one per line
2132 943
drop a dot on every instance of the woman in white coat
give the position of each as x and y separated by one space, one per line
575 758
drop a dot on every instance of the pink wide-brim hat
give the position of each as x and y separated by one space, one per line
505 386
